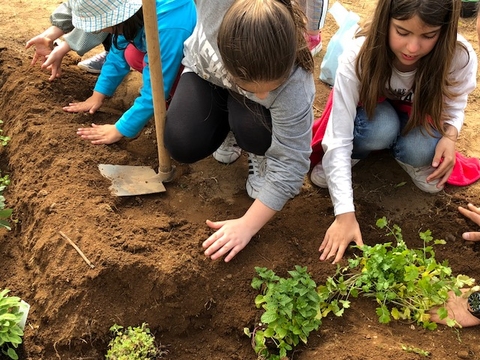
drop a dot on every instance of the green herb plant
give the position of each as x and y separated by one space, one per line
4 182
132 343
3 139
10 332
4 213
291 312
415 350
406 283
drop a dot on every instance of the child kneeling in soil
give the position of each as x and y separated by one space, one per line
248 70
124 20
402 85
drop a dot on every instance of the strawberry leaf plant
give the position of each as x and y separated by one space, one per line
10 332
406 283
291 312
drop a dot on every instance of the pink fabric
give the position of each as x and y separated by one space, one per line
466 171
319 127
134 58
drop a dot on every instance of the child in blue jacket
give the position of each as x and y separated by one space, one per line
124 19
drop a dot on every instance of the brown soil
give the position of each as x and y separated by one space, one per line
149 264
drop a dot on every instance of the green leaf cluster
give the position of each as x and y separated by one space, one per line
291 311
406 283
4 213
3 139
10 315
4 182
132 343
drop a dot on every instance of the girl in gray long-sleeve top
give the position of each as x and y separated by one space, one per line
248 71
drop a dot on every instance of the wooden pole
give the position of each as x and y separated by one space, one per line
165 169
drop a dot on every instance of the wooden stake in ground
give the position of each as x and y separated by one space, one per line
78 249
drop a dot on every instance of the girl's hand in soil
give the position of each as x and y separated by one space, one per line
473 213
444 158
339 235
100 134
233 235
92 104
54 60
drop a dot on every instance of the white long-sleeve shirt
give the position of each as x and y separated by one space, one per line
338 139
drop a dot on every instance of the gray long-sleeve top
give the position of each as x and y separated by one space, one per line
290 106
78 40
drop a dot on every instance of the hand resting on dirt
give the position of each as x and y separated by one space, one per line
97 134
473 213
340 234
90 105
100 134
231 236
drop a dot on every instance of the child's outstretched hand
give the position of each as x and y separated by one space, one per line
229 238
43 47
100 134
90 105
473 213
340 234
54 60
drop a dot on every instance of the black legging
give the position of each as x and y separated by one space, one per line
201 115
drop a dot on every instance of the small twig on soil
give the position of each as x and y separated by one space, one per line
77 248
56 352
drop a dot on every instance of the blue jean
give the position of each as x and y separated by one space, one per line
384 131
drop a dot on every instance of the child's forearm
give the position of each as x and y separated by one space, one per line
257 216
451 132
52 33
63 48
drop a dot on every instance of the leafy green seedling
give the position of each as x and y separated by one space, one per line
415 350
132 343
406 283
10 332
3 139
291 312
4 182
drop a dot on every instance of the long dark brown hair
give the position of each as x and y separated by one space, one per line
129 28
261 40
431 86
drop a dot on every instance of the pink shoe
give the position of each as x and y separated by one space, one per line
314 43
